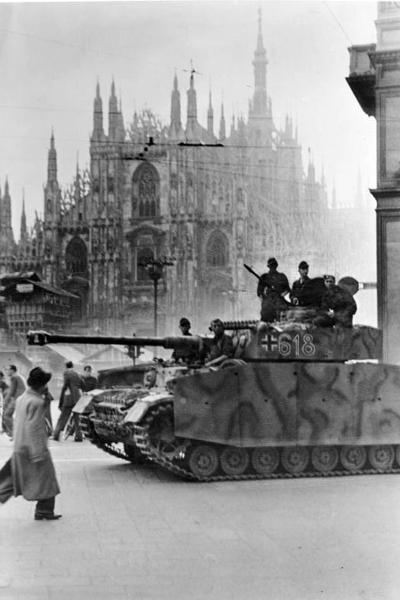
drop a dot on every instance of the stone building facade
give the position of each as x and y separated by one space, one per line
375 80
210 198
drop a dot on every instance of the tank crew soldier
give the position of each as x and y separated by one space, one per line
272 287
296 293
70 394
338 300
89 380
221 345
30 471
16 389
184 355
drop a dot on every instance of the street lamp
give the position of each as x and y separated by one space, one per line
154 268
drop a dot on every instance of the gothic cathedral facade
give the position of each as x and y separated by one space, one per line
209 200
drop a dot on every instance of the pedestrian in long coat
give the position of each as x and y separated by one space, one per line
30 471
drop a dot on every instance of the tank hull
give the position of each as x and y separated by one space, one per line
278 420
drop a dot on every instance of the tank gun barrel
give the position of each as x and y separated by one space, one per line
237 325
41 338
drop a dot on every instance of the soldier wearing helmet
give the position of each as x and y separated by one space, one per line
271 289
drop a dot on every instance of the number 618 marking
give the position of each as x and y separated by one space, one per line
301 346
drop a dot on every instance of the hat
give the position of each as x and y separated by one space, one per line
184 322
272 262
331 277
38 377
303 265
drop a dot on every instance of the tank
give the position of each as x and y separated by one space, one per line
295 401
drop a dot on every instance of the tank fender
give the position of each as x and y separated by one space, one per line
140 408
85 400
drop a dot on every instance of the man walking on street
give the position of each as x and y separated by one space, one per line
30 471
70 394
16 389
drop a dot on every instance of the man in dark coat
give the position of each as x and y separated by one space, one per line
70 394
272 287
30 471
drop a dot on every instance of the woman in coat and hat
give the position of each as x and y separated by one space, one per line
30 471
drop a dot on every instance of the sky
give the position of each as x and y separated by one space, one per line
52 55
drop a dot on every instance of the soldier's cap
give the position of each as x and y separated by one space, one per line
184 322
272 262
329 278
303 265
38 377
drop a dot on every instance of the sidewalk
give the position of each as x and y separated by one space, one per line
140 533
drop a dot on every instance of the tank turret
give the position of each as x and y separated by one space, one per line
254 341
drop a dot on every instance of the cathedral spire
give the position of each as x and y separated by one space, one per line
113 115
52 160
6 225
23 229
191 126
222 129
176 124
98 132
210 117
260 62
52 194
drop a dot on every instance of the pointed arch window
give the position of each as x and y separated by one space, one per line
76 257
217 254
146 191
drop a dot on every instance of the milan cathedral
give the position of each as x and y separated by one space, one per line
211 200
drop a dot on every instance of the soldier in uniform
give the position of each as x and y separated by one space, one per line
272 287
296 293
338 300
184 355
221 345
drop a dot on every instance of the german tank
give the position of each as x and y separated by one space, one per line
103 410
294 401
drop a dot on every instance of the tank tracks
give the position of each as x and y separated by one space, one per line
108 447
209 462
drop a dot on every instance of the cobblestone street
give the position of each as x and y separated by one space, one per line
139 533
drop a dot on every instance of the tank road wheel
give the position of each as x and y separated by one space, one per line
324 458
162 434
265 460
353 457
295 459
234 461
381 457
203 461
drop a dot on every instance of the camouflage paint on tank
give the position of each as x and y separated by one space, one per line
280 404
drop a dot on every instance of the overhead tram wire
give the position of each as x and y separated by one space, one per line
338 22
